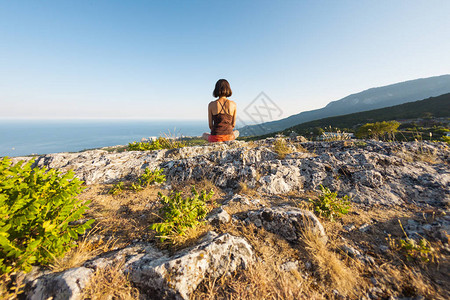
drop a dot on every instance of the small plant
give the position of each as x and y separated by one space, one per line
329 206
413 250
116 188
281 148
179 213
37 207
149 177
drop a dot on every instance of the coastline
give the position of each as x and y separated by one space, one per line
39 137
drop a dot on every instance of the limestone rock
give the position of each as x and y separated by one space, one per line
59 286
377 173
219 216
176 277
287 221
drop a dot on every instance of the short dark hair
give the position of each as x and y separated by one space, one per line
222 88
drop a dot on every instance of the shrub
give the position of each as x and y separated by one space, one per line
37 207
328 205
158 144
179 213
149 177
378 129
116 188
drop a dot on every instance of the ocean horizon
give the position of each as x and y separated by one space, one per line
31 137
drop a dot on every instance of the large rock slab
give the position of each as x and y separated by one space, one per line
373 172
158 274
176 277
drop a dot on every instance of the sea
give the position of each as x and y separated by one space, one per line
32 137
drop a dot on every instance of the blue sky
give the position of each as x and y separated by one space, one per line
161 59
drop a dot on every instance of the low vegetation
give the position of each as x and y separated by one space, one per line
406 268
179 213
117 188
37 208
329 206
378 130
149 177
281 147
158 144
112 283
412 250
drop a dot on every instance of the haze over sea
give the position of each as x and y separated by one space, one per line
25 137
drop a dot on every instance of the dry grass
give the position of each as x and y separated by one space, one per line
324 271
204 184
329 268
86 249
110 283
244 189
424 154
281 147
189 238
264 279
300 148
11 287
408 282
126 216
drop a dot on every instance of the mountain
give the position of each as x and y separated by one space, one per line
370 99
437 107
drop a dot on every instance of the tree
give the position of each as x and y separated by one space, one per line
378 130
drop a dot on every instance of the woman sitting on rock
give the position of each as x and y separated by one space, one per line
221 115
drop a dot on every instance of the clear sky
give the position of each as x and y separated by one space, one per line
161 59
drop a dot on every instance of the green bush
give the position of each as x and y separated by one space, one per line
116 188
378 130
328 205
180 213
149 177
158 144
37 207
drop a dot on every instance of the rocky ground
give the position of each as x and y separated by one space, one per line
264 241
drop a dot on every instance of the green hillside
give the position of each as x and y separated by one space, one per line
433 107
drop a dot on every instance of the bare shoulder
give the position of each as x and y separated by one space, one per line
211 104
232 103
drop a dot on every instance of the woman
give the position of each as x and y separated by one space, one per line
221 115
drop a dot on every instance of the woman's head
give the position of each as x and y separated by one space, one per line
222 89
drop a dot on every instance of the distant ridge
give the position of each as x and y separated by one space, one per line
370 99
438 107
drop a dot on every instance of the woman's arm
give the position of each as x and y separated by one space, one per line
234 115
210 122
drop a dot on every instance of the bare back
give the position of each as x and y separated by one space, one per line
223 106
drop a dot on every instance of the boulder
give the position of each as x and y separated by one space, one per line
60 286
176 277
287 221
